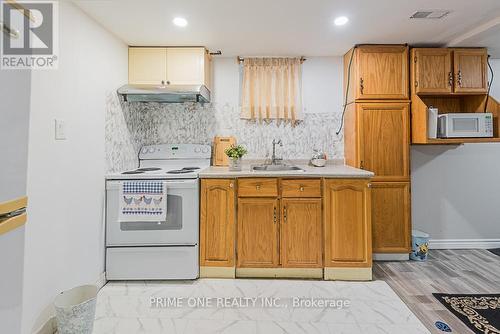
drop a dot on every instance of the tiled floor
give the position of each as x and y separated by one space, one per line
125 307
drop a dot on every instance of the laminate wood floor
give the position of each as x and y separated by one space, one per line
446 271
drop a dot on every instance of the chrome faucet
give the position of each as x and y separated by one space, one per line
274 160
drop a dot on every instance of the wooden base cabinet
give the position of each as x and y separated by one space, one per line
301 235
258 232
217 226
391 217
295 228
347 223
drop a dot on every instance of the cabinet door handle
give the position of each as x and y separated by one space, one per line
284 213
301 188
257 187
450 79
231 185
459 78
361 85
361 165
274 216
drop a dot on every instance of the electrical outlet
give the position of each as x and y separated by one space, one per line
60 129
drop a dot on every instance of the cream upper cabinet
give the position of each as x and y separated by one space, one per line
147 66
188 66
170 66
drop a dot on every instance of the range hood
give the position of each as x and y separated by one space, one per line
165 93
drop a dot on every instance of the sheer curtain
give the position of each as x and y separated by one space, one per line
271 89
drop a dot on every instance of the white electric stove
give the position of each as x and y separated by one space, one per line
168 161
167 249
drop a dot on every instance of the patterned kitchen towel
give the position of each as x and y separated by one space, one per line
142 201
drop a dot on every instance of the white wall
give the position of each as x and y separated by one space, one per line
455 189
14 111
495 88
65 236
322 79
321 83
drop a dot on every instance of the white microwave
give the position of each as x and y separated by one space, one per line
465 125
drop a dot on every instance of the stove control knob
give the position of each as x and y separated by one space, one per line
205 150
196 150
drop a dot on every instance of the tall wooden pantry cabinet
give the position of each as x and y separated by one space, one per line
377 138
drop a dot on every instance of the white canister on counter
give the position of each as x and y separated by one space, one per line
318 158
432 122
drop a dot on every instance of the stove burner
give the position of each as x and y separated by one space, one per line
148 169
179 171
191 168
133 172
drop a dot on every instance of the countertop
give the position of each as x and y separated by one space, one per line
333 169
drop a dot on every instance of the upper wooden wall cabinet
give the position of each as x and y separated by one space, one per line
169 66
438 71
452 80
378 72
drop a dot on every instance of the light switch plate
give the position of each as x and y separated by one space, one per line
60 129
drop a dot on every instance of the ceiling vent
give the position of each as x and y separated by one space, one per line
430 14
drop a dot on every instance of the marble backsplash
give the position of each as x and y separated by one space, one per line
130 125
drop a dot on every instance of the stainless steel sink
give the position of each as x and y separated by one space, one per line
276 168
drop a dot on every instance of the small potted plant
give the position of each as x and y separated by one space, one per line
235 152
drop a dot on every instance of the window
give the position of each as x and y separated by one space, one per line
271 89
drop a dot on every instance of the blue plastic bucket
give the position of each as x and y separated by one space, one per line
419 245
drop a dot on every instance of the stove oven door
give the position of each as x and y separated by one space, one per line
180 227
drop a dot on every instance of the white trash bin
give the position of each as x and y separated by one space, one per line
75 310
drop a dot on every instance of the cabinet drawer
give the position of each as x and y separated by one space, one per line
258 187
301 188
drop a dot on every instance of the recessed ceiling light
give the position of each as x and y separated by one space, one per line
341 20
180 22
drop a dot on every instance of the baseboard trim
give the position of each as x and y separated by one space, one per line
348 274
279 272
391 256
217 272
464 243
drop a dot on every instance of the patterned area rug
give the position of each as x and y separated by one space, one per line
481 313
